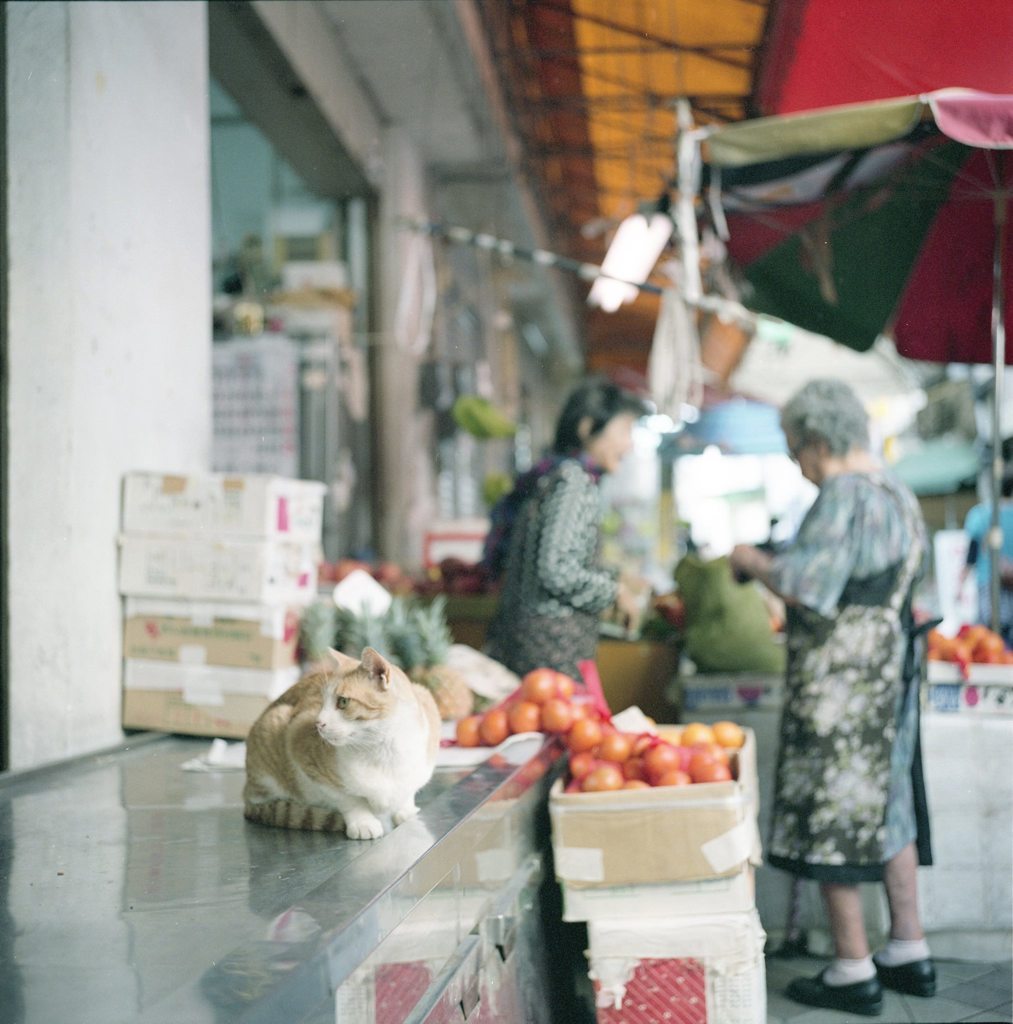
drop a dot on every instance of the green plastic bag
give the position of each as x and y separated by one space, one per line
727 625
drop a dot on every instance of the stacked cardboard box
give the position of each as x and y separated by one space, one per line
664 879
215 569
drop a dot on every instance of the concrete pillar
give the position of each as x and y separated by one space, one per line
108 333
403 487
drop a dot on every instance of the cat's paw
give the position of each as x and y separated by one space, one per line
363 826
404 813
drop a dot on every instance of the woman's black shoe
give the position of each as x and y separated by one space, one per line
864 997
914 979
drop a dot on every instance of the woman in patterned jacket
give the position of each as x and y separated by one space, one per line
545 537
849 801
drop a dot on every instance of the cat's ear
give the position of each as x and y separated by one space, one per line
378 668
343 661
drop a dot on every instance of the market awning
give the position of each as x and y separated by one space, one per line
875 217
820 53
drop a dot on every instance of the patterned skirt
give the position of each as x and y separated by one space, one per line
849 794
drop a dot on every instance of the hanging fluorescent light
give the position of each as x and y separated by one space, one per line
635 248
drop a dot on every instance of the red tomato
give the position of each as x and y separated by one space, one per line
685 753
525 716
564 686
467 731
557 715
641 743
580 710
712 750
711 771
673 778
700 761
539 685
616 746
584 734
602 778
635 784
582 764
495 727
660 758
633 768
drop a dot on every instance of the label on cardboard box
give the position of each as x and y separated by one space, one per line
579 864
970 698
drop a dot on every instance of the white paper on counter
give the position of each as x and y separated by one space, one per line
221 756
516 749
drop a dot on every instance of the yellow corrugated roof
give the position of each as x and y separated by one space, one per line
636 59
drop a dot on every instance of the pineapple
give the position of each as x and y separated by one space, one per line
317 629
359 630
453 696
403 637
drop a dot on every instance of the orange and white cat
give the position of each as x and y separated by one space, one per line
342 746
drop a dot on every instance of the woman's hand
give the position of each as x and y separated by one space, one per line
748 562
631 600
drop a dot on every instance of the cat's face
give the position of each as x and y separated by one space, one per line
356 697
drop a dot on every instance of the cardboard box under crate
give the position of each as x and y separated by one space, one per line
728 894
657 835
199 700
210 633
219 569
236 505
988 689
695 970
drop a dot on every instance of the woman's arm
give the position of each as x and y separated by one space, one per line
569 530
756 564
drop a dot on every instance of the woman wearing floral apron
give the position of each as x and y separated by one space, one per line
849 802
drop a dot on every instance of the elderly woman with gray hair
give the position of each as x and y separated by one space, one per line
849 801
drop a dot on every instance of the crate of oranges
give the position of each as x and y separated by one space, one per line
675 805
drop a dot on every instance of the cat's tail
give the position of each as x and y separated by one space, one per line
289 814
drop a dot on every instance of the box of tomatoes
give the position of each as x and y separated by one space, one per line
657 834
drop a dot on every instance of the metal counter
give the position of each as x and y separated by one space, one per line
135 891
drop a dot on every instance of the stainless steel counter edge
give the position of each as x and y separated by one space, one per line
365 901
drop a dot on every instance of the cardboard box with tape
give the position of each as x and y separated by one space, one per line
219 569
219 504
724 895
657 835
706 969
202 700
210 633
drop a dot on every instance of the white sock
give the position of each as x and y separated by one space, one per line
903 951
849 972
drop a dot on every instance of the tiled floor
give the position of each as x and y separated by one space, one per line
964 992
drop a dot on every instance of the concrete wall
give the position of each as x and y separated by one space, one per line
108 336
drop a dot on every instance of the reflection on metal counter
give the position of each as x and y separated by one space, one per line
135 891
